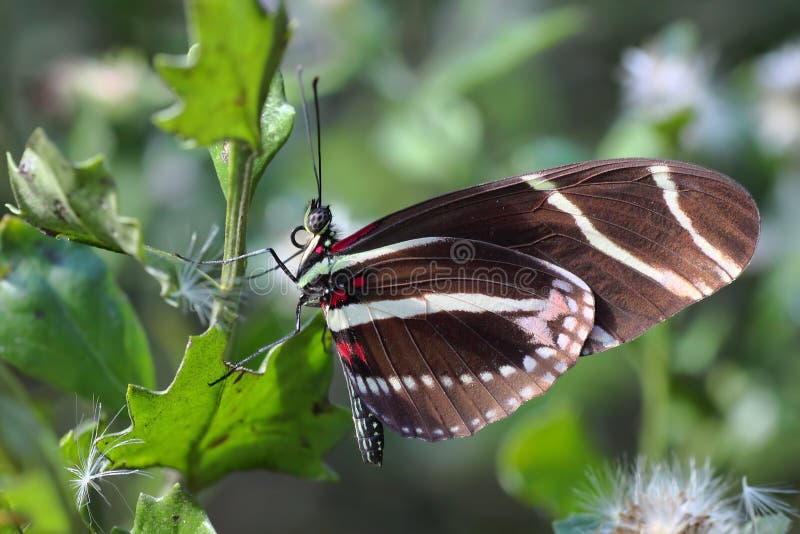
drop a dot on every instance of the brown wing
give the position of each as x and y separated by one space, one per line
649 237
439 337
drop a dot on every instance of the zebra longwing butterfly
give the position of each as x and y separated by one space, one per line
450 314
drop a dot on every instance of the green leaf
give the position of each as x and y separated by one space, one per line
77 201
34 499
36 493
65 321
489 58
176 512
545 458
10 522
222 84
277 121
280 420
577 524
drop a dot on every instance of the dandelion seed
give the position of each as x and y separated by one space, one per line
196 291
759 501
92 468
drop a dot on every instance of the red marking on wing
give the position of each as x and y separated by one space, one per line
339 297
318 250
359 351
347 350
358 281
349 240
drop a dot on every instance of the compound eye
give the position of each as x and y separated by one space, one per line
318 219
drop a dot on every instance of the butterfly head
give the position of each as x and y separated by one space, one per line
317 219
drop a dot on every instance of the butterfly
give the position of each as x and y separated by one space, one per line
450 314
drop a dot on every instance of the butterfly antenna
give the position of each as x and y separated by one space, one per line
319 140
308 130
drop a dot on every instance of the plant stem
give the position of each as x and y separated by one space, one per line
654 380
240 187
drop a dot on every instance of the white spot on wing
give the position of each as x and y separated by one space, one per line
395 382
486 376
438 432
563 341
561 365
427 380
490 413
475 422
573 306
512 402
564 286
410 383
529 363
362 387
549 378
465 379
373 386
570 323
455 429
526 392
546 352
600 335
384 386
507 370
446 381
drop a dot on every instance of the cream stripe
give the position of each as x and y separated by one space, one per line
361 313
729 268
665 277
336 263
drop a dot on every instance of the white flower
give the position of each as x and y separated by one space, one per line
661 80
660 84
778 110
92 468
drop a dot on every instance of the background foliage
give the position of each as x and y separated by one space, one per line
421 98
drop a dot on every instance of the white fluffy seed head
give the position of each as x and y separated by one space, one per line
672 497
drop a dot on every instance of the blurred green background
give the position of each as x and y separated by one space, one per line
420 98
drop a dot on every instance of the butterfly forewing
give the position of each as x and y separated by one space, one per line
440 336
648 236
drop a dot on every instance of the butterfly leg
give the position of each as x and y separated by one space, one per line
326 345
239 366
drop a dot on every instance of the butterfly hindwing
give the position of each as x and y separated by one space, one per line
440 336
649 237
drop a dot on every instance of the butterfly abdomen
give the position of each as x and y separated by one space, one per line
369 431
